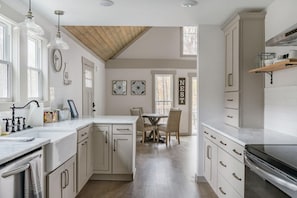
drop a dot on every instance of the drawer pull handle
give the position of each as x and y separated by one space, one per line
221 190
230 100
228 116
114 145
236 177
123 129
106 137
224 165
223 143
206 133
236 152
230 80
213 137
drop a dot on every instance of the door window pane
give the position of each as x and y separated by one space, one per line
190 40
163 93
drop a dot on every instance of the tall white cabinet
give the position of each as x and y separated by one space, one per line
244 92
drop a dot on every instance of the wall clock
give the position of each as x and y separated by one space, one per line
137 87
119 87
57 60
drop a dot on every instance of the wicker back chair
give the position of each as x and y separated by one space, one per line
172 125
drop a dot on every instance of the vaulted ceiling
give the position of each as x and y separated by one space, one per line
106 41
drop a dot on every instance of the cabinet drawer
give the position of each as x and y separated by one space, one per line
83 133
211 135
236 150
232 117
225 189
232 170
122 129
232 100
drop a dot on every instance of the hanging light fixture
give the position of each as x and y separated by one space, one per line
58 42
189 3
29 23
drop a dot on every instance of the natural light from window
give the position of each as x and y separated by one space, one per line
34 68
189 40
163 93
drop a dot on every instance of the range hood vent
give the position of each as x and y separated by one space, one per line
286 38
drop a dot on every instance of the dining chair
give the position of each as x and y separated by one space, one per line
172 125
140 124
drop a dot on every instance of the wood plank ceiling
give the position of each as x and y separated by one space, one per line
106 41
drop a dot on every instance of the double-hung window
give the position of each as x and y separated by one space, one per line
163 86
189 40
34 72
5 61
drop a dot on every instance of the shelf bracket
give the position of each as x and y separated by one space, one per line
271 76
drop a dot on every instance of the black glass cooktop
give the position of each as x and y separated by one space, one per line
283 157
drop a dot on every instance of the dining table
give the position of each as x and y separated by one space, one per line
154 119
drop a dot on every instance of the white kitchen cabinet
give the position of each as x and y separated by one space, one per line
62 181
223 164
114 151
244 92
102 138
83 157
210 162
122 155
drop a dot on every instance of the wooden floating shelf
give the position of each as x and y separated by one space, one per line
288 63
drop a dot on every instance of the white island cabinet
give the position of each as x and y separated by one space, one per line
114 152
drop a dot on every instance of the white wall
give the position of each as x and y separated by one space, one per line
121 104
281 96
72 57
211 77
156 43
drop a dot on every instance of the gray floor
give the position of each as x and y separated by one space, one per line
161 172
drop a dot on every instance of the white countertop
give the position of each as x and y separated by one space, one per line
244 136
10 150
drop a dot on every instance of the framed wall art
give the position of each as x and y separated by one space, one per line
119 87
138 87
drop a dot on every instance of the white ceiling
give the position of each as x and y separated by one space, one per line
140 12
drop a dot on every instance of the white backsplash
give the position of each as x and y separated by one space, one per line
281 109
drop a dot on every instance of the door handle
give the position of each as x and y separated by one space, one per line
114 149
106 137
16 171
67 178
230 79
63 180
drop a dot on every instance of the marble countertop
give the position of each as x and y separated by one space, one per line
244 136
10 150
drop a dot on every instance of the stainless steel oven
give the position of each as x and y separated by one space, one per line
270 171
12 175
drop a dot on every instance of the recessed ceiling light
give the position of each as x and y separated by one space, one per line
106 3
189 3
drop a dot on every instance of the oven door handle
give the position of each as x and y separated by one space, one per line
269 176
16 170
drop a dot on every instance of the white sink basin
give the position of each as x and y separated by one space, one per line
62 145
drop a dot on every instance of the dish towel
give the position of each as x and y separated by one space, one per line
32 184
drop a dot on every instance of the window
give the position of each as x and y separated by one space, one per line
164 92
5 61
189 41
34 68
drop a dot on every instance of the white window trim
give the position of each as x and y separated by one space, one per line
156 72
182 45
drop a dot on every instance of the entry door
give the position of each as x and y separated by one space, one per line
88 87
193 108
